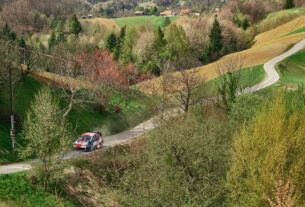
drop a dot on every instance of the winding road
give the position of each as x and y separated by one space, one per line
271 78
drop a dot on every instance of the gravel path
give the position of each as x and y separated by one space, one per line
272 77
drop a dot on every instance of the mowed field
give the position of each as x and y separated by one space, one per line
267 46
138 20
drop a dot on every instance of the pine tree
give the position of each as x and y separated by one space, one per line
166 22
75 26
52 40
59 30
245 24
159 39
6 30
120 42
111 42
21 42
51 22
288 4
216 44
12 36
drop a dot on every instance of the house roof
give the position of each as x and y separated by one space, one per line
183 11
167 12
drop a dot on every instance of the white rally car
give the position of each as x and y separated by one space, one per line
89 141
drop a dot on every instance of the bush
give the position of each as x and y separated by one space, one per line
270 150
245 107
182 164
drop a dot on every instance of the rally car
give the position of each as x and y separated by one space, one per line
89 141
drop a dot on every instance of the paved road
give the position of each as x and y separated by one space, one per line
269 67
272 77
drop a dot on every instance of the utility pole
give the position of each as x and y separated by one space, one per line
12 106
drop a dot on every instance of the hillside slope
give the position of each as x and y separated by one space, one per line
270 45
279 32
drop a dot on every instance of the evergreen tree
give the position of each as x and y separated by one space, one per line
12 36
51 22
177 44
21 42
59 30
6 30
127 55
166 22
245 24
52 40
288 4
160 42
111 42
75 26
120 42
216 44
154 61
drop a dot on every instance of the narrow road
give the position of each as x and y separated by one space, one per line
272 77
269 67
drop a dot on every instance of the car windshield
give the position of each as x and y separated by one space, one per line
84 138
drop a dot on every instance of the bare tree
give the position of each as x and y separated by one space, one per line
187 82
27 59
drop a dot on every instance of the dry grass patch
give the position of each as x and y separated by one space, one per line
102 22
279 32
58 80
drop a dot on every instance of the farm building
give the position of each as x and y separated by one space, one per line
167 14
139 13
184 12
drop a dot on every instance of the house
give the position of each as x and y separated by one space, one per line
84 17
184 12
167 14
90 16
139 13
197 14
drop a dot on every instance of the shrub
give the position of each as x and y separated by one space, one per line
269 150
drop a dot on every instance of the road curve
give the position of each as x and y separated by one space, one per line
269 67
272 77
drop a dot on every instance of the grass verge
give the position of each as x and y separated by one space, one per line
292 74
248 77
16 190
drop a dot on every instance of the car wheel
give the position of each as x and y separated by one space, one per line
91 148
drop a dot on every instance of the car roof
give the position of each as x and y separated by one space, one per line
90 134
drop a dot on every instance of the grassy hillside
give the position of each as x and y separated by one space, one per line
280 31
85 119
275 19
292 73
248 77
138 20
268 45
16 190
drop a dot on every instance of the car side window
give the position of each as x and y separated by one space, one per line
94 138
